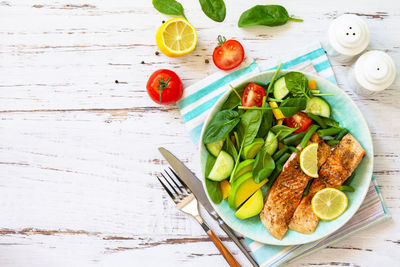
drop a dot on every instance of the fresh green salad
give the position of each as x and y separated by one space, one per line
254 133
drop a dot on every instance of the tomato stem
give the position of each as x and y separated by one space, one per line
162 84
221 40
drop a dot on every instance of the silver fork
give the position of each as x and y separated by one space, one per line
187 202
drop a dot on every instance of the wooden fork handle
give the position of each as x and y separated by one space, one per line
224 251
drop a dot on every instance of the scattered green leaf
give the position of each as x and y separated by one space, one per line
267 15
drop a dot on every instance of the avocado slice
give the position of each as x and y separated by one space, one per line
250 151
271 143
242 168
252 206
242 189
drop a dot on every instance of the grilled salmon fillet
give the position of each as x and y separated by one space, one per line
338 167
284 196
304 220
342 162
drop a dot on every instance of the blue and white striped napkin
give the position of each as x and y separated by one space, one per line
199 98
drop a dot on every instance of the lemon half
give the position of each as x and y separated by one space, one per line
176 37
329 203
309 160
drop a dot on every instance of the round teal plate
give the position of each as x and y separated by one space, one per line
348 115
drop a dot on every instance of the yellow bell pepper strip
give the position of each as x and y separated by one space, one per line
277 112
312 85
225 188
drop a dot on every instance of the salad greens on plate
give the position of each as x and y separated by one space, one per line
257 128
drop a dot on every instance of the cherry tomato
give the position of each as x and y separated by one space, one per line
300 119
228 54
253 95
164 87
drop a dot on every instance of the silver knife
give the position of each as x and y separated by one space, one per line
196 186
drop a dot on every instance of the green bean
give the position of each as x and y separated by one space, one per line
305 193
308 135
348 180
342 133
330 122
280 152
282 159
293 149
274 175
333 142
318 120
329 131
347 188
294 139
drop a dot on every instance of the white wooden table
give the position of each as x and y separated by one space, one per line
78 154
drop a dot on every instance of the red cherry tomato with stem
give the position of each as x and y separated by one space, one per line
300 119
164 87
253 95
228 54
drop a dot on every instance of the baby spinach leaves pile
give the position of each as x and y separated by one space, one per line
267 15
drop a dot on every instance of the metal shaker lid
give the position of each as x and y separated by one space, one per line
349 35
375 70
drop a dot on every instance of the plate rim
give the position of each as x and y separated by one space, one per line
369 171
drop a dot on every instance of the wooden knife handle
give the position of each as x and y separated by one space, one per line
224 251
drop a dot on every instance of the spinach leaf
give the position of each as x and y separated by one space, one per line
248 127
263 165
291 106
283 131
213 188
214 9
232 102
267 15
230 148
169 7
220 126
266 123
297 84
209 164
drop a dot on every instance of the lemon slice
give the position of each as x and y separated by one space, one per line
309 160
176 37
329 203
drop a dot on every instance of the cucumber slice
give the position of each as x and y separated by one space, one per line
271 142
222 168
215 148
318 106
280 89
